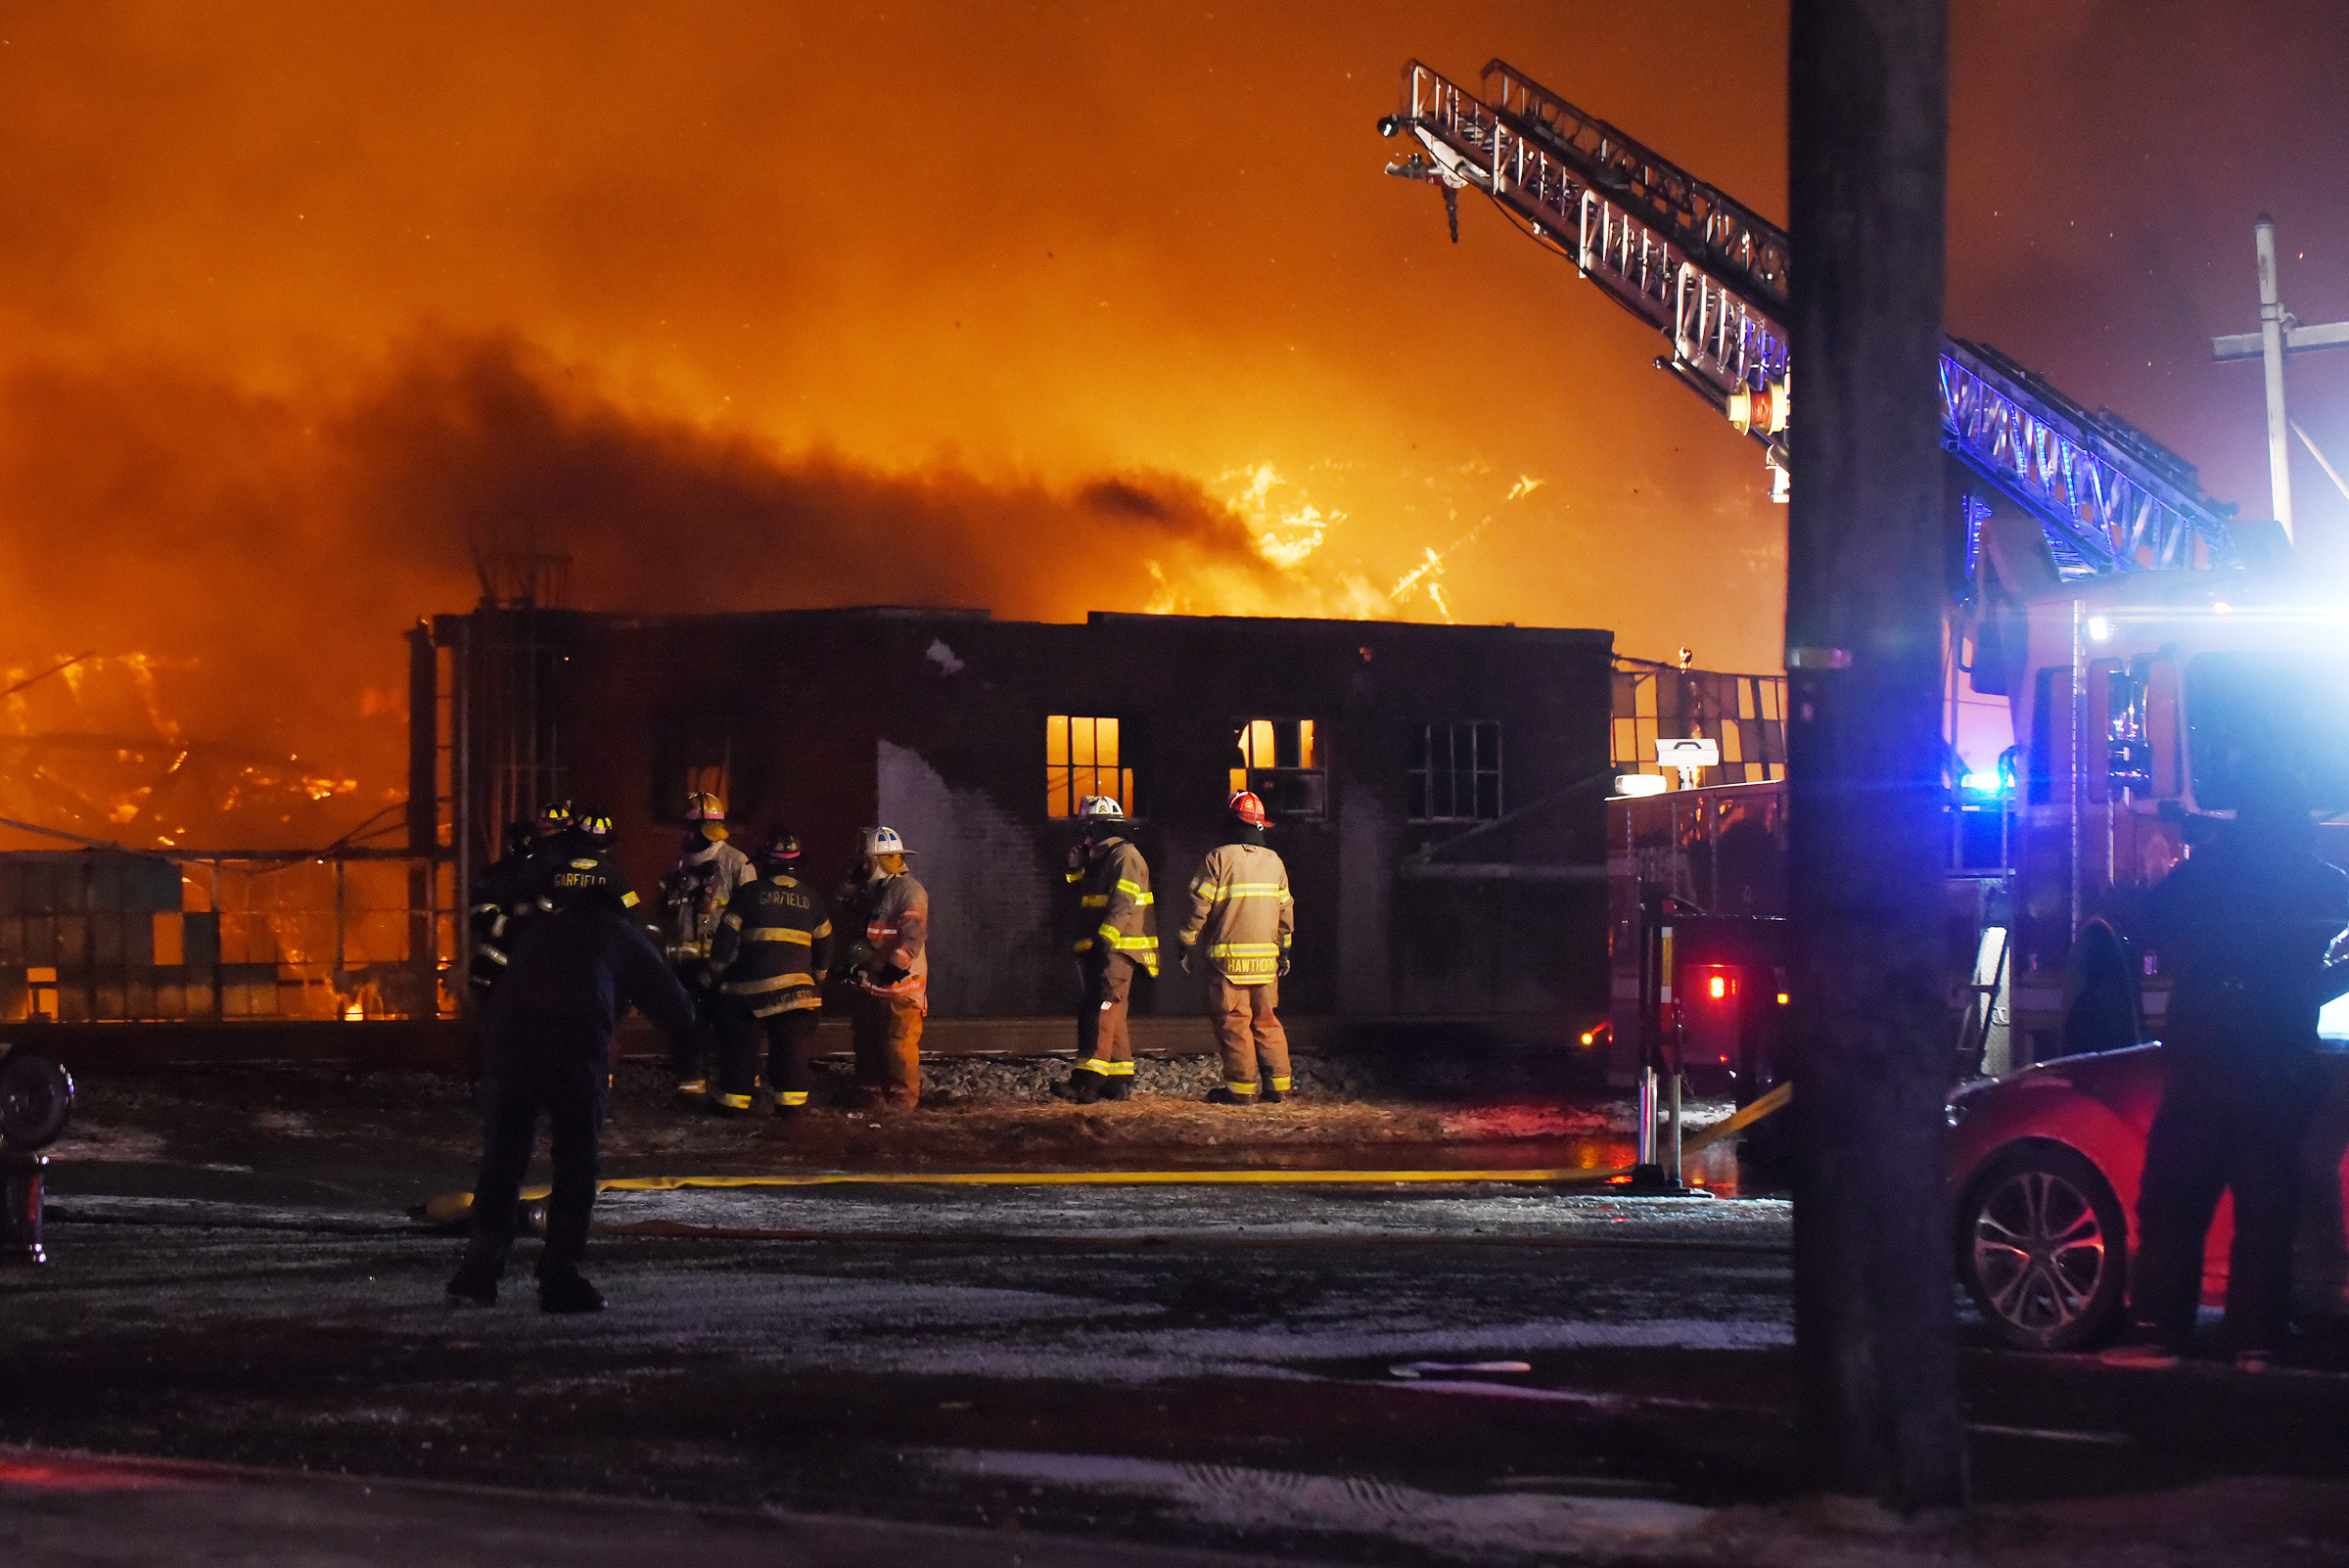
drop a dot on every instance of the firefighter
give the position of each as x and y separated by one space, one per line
1240 906
773 949
707 871
574 968
573 862
1114 893
2245 925
886 964
490 909
564 858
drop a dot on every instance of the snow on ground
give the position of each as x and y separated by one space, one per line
94 1140
1367 1212
1476 1527
1069 1281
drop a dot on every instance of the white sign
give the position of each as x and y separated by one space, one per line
1697 751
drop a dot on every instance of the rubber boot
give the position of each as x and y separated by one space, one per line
1224 1094
473 1286
568 1292
1084 1086
1118 1087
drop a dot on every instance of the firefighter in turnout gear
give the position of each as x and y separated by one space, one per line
694 894
490 909
570 856
1240 908
772 947
1113 883
573 862
885 915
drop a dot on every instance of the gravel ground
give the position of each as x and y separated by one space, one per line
419 1133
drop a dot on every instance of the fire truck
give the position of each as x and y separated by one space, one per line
2116 644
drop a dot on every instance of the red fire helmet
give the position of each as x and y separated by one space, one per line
1247 807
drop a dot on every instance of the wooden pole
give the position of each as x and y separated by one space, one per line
1874 1327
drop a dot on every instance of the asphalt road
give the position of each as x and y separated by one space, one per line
1371 1373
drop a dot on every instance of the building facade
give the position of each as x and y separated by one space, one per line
1437 790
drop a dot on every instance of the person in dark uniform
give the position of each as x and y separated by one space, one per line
490 909
572 969
770 953
2245 926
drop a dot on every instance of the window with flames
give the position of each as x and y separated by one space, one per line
1087 756
1282 761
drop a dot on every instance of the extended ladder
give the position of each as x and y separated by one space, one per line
1711 275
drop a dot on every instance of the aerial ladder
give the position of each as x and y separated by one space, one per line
2124 521
1710 276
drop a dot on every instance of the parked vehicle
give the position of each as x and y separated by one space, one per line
2044 1165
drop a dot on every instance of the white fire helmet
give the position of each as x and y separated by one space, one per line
1100 808
882 841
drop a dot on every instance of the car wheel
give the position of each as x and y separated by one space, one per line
2041 1246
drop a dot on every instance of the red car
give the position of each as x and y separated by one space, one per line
2046 1162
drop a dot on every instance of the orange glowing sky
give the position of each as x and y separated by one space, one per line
771 303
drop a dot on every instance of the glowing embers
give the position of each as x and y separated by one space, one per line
89 746
104 935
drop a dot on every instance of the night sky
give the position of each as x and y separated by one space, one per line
1047 310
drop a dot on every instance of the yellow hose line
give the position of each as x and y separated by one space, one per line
1776 1100
453 1205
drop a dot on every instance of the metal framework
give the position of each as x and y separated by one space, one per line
1712 276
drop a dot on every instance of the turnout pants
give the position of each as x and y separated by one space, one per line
887 1034
1248 1031
2216 1133
693 1050
564 1066
1104 1044
738 1039
790 1041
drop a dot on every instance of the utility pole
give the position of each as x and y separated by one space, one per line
1875 1333
2278 334
2271 354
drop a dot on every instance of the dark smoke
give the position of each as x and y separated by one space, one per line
269 551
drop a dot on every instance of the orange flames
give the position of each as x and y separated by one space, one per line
745 305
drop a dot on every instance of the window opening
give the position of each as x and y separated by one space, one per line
1455 773
1281 762
1085 756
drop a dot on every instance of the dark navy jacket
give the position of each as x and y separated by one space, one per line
582 965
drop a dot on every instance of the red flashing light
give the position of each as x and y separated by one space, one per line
1717 988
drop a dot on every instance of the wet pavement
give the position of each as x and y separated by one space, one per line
1412 1373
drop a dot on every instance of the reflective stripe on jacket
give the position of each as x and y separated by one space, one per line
696 891
773 944
897 930
1240 908
1115 890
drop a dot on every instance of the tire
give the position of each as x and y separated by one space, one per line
36 1097
2043 1248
